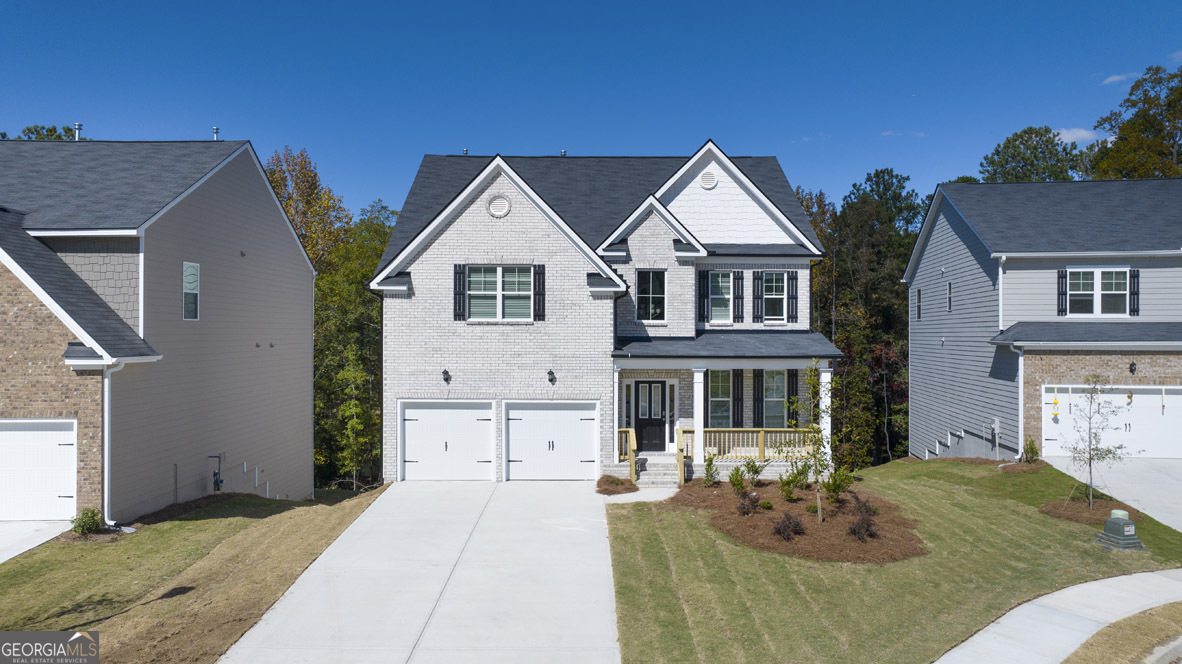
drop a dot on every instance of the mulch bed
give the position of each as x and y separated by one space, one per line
1077 510
827 541
614 486
70 536
1023 467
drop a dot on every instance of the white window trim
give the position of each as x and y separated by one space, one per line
184 291
730 417
782 403
500 293
664 297
1096 289
730 299
783 298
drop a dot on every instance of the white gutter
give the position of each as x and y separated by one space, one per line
1164 253
1021 401
107 441
1095 345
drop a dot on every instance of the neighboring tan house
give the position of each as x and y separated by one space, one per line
155 320
1018 292
538 311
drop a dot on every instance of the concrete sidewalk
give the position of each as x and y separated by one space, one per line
1048 629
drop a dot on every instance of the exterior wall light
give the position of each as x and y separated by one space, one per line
551 377
446 377
1132 367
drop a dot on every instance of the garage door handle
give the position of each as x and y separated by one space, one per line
408 461
65 444
65 496
586 419
410 419
587 461
479 461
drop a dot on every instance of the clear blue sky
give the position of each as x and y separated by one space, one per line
833 91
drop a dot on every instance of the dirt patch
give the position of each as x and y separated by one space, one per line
70 537
1023 467
1077 510
827 541
614 486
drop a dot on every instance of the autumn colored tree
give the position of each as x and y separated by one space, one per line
320 218
1146 131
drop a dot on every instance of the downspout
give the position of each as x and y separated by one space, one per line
1001 293
107 441
1021 399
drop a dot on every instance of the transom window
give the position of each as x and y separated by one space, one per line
775 398
500 292
775 297
191 290
1098 292
720 399
720 297
650 295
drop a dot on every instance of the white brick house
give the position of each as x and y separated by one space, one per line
537 311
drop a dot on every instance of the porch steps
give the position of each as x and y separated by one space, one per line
656 469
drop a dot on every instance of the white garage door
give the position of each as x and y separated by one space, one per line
551 441
38 469
1148 420
447 441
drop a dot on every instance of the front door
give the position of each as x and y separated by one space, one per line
650 415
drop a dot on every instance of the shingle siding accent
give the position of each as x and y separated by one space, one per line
111 266
36 383
497 361
959 382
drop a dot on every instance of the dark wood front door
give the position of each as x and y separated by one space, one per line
650 415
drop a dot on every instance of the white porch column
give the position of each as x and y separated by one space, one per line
825 406
615 405
699 416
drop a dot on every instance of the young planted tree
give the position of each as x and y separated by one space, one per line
1091 426
818 446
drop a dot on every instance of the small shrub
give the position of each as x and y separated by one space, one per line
811 509
788 527
797 478
748 504
786 488
837 483
1030 450
738 485
863 527
753 469
863 508
710 477
88 521
614 481
765 504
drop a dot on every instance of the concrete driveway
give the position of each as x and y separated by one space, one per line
16 537
1153 486
454 572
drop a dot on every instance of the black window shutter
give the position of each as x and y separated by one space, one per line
737 398
1062 293
461 294
539 292
703 296
793 393
793 300
757 396
1134 292
757 297
737 294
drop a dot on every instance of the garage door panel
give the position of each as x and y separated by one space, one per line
38 470
551 441
1147 424
447 441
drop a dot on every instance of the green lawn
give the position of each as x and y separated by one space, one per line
685 592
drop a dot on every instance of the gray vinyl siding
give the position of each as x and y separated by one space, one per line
1030 287
962 382
236 382
109 265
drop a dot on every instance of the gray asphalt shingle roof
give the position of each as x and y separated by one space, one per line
1089 332
594 195
732 344
1096 215
69 291
101 184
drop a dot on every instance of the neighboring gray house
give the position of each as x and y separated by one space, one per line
538 311
1019 291
155 320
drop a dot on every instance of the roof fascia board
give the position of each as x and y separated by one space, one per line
85 232
496 166
709 148
1164 253
1090 345
91 364
651 203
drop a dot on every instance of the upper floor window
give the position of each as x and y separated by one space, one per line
720 399
191 290
775 297
775 398
949 296
1096 291
918 304
650 295
500 292
720 297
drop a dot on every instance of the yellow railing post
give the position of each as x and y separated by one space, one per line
632 453
762 440
680 462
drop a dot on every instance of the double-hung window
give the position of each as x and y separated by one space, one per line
775 297
720 297
500 292
775 398
191 291
720 399
1098 292
650 295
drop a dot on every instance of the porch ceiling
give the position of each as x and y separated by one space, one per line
732 344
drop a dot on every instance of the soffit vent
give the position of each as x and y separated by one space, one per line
708 180
498 206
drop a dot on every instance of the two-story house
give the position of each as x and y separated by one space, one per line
539 311
155 328
1020 291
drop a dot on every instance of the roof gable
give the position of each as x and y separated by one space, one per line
634 220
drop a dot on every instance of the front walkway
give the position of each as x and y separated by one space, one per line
454 572
1153 486
1048 629
16 537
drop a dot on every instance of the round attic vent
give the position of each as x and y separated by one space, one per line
498 206
709 180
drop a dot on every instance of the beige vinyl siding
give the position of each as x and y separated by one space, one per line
1031 288
958 380
239 380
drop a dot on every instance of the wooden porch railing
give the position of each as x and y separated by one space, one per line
685 437
756 443
626 450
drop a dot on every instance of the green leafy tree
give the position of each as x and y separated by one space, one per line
319 216
1146 131
357 418
45 133
1034 154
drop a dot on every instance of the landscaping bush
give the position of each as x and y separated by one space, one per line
748 504
736 480
753 469
88 521
788 527
765 504
863 527
811 509
837 483
710 477
796 478
1030 450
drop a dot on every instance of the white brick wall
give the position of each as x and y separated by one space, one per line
650 246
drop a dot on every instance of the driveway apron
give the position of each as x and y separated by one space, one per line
1153 486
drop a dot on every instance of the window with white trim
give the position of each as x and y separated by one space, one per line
775 297
1092 292
650 295
720 399
500 292
191 291
918 304
775 398
949 296
720 297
